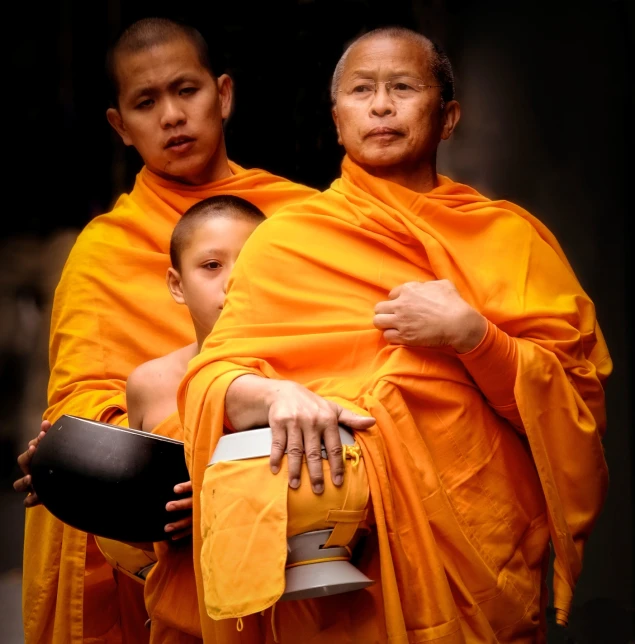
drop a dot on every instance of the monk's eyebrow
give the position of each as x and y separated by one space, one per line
182 80
143 91
367 73
214 251
362 73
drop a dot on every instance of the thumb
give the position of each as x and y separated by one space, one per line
355 421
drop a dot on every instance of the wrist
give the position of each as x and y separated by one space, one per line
472 331
272 390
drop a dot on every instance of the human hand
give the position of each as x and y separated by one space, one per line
300 420
183 527
24 484
429 314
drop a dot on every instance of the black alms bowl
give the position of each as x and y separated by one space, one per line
107 480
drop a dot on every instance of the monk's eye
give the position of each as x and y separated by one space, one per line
362 88
188 91
213 265
144 104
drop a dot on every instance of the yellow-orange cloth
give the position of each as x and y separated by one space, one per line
247 514
128 559
170 588
463 502
497 353
112 311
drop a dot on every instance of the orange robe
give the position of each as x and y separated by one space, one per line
465 500
170 589
112 311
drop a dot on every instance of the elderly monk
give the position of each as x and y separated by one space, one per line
457 324
112 311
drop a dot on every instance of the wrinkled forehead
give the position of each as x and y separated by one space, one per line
387 56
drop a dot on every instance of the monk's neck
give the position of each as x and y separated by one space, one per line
200 338
421 179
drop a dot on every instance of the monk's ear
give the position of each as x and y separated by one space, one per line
337 125
114 118
225 94
451 117
173 280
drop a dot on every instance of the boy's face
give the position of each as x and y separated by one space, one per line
171 110
206 263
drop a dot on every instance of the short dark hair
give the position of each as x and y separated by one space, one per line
218 206
440 65
146 33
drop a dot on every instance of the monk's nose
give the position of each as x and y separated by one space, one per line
172 114
382 104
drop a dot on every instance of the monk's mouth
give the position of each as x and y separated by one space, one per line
383 132
180 142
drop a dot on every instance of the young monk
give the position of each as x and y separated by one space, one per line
457 323
112 311
203 249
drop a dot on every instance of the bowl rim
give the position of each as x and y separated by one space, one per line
127 430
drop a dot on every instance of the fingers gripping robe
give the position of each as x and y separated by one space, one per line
429 314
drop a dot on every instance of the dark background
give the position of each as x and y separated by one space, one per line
547 111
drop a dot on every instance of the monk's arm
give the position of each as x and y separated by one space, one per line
299 419
134 400
493 364
249 398
433 314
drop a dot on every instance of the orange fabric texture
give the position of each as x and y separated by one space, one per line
112 311
129 560
247 514
170 589
464 503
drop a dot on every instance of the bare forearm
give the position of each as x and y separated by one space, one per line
246 401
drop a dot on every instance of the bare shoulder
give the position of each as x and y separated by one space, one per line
151 388
161 374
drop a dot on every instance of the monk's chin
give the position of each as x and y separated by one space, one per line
190 171
381 158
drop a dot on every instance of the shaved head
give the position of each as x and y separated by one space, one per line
145 34
228 206
440 66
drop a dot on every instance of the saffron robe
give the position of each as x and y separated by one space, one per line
464 500
170 588
111 312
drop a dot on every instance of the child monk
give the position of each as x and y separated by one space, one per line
203 248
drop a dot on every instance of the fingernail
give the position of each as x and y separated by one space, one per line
318 489
339 479
295 483
168 528
275 469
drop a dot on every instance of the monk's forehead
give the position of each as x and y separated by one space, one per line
394 54
178 49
